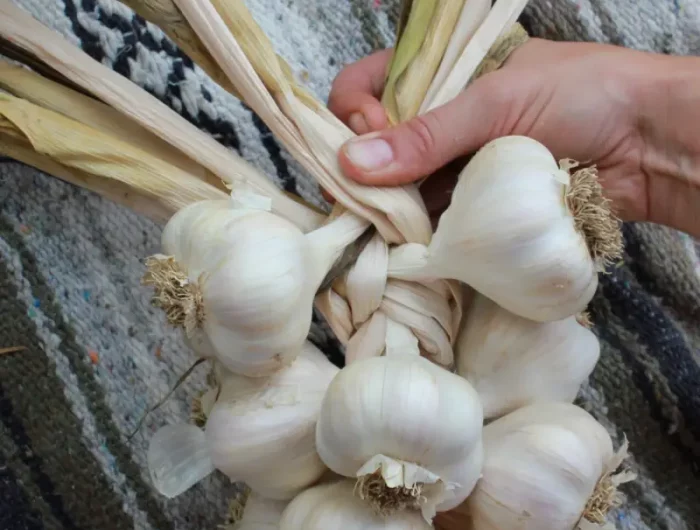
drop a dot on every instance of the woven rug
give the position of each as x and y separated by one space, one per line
98 355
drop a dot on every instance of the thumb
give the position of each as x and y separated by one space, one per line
417 147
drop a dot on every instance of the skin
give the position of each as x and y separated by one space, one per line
635 115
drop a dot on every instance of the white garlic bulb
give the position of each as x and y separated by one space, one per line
260 513
335 505
547 467
260 431
521 230
512 361
407 429
241 280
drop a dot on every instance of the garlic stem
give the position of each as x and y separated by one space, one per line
26 32
472 16
26 84
499 20
409 262
329 241
312 135
400 340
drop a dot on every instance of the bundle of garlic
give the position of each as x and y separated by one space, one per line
241 275
547 467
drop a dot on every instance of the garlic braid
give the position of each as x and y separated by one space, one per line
359 304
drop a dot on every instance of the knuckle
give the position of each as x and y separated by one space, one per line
424 132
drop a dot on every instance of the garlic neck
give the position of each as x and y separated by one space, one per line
400 340
180 298
329 241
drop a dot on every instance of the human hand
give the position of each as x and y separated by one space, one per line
590 102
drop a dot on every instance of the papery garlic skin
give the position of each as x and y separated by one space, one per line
253 271
407 417
262 431
542 465
508 233
261 514
512 361
178 459
335 506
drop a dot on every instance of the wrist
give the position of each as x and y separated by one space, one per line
669 124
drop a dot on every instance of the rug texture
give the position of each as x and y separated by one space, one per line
98 355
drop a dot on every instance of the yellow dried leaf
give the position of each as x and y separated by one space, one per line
62 141
24 31
418 54
497 23
155 208
29 85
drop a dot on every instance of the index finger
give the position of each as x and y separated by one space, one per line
357 90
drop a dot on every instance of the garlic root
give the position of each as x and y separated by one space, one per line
174 293
593 215
584 319
236 509
606 496
385 500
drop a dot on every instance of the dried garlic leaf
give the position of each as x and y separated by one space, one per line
414 82
93 152
406 50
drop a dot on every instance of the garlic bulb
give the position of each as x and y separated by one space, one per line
513 362
521 230
409 430
260 431
547 467
259 513
335 505
241 280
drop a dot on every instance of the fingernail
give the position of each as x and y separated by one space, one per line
369 154
358 123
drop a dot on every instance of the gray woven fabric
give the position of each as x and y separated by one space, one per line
99 355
